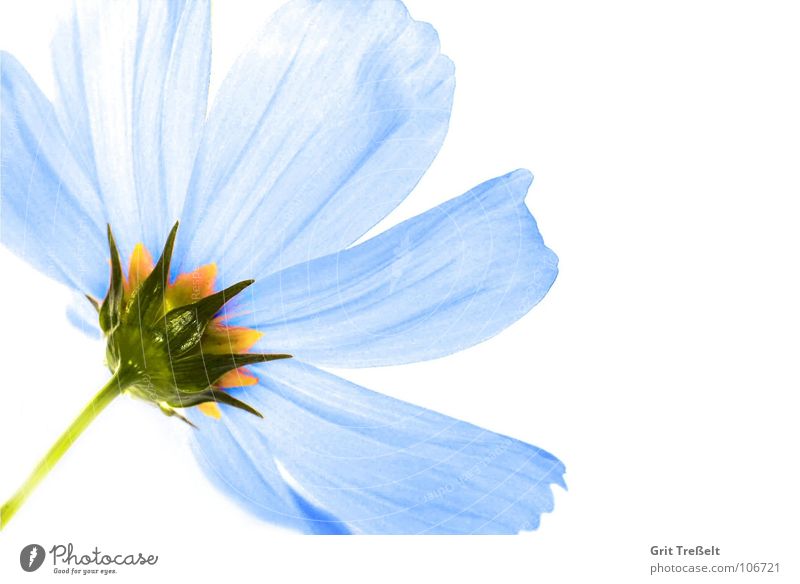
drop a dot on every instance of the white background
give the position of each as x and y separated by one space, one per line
661 368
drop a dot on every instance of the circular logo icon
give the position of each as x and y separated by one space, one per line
31 557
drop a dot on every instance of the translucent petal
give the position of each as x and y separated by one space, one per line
50 214
83 316
375 464
132 80
433 285
320 129
226 450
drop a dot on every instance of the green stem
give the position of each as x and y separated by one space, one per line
98 403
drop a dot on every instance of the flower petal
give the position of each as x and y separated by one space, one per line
376 464
319 130
83 317
132 81
433 285
50 214
237 459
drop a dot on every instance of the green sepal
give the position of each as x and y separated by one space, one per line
170 411
147 302
111 308
94 302
209 306
219 396
226 398
199 372
184 326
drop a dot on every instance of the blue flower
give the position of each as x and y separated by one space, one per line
321 128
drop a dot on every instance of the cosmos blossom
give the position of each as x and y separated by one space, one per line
321 128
